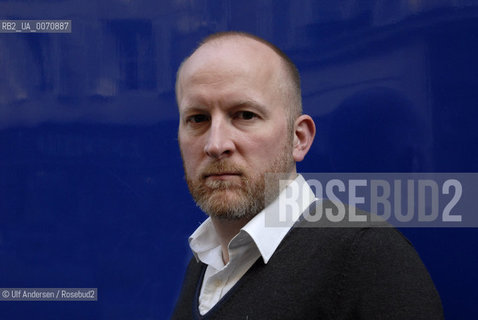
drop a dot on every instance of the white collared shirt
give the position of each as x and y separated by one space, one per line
253 241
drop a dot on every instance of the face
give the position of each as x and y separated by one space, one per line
233 126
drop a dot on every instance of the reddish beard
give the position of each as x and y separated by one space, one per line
241 197
231 199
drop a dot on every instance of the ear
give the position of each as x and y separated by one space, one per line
304 132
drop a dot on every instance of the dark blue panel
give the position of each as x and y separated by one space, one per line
91 183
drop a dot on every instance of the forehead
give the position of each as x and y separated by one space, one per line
229 59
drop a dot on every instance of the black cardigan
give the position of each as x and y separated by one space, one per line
325 273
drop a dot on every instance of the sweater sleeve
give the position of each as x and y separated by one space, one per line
387 279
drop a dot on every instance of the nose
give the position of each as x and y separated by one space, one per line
219 141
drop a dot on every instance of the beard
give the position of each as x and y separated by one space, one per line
238 198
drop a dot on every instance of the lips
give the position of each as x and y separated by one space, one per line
220 175
221 171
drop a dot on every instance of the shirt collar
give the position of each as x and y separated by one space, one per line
267 238
205 244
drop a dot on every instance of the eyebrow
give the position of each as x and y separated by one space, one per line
249 103
193 109
233 105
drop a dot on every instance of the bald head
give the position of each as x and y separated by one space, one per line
246 53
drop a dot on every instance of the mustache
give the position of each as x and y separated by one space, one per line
222 167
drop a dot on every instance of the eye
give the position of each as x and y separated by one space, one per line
246 115
197 118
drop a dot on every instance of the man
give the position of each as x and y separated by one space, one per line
240 118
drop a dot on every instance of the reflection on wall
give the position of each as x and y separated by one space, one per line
119 63
376 130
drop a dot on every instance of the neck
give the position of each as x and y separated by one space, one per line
226 230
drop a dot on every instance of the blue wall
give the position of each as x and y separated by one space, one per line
91 183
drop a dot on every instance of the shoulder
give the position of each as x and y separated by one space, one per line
374 269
